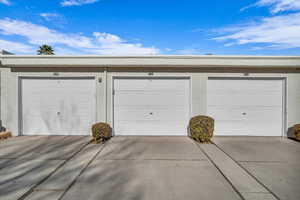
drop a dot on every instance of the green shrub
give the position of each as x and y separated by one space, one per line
101 132
201 128
297 131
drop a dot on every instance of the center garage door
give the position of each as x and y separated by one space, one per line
252 107
57 106
151 106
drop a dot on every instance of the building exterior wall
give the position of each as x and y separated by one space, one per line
104 98
293 100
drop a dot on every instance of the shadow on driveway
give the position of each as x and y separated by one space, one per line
27 160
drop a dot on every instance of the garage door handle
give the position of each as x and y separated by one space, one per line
151 113
58 113
244 113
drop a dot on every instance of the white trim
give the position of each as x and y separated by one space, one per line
276 62
187 77
284 109
147 56
105 93
284 93
20 78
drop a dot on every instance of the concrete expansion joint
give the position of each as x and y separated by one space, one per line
256 192
259 161
48 190
162 159
31 190
243 169
221 172
86 166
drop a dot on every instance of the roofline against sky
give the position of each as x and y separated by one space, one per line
150 56
152 61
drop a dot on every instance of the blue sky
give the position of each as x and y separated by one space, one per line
135 27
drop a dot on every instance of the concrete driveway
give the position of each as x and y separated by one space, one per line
273 162
66 168
151 168
27 161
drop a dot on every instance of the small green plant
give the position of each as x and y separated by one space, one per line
101 132
201 128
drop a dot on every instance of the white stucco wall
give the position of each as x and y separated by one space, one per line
293 99
10 104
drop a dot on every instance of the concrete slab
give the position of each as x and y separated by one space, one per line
149 168
22 175
241 180
4 162
60 149
16 146
267 149
25 161
151 179
258 196
42 147
63 177
281 178
160 148
273 161
45 195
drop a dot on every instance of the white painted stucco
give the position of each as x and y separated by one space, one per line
104 79
154 61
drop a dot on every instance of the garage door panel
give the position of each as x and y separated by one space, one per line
151 106
245 99
150 113
57 106
131 99
253 85
155 127
251 112
246 107
151 84
256 128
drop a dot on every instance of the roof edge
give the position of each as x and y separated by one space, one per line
154 56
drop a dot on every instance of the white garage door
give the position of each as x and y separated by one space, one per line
151 106
251 107
57 106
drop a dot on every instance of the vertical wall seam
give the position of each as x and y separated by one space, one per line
105 92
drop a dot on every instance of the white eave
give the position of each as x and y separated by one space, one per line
159 61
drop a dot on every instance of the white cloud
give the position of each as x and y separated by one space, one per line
66 51
278 31
114 45
188 51
100 43
15 47
6 2
50 16
277 6
37 34
77 2
107 38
